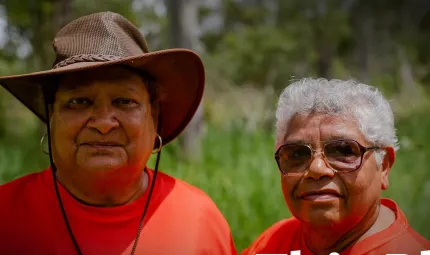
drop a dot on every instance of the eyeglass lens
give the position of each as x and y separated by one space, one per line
341 155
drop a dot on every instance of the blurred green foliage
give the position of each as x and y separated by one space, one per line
258 48
239 172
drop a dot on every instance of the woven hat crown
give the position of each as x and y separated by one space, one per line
98 37
107 39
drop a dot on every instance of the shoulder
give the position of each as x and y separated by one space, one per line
418 239
275 237
399 237
402 227
184 192
406 241
19 195
198 213
186 198
20 185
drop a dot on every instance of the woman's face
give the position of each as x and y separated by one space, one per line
322 198
102 121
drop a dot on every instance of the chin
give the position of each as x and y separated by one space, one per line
321 222
101 164
321 217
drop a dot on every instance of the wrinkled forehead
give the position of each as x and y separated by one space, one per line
117 78
311 127
114 75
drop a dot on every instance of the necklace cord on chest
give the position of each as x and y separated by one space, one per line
139 230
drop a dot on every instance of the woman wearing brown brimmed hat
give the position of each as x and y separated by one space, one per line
108 104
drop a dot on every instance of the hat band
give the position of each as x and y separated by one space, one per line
86 58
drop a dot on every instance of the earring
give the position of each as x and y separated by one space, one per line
41 144
160 146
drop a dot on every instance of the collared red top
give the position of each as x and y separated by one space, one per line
287 235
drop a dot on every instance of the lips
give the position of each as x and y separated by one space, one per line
324 194
101 143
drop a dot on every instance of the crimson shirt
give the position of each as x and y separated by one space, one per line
287 235
181 220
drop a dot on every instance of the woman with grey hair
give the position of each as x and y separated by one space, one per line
335 146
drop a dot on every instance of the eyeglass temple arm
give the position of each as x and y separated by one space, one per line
371 148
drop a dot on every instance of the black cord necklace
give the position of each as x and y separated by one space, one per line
139 230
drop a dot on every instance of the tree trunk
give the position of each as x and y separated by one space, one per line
363 23
324 46
409 86
324 62
183 19
63 13
46 25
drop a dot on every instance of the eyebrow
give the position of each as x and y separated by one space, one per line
71 87
342 135
293 141
131 89
75 87
334 136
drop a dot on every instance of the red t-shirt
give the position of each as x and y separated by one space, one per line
181 219
287 235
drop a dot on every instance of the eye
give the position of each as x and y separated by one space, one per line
295 152
78 102
125 102
293 156
343 151
300 153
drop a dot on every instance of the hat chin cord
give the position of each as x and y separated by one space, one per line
63 211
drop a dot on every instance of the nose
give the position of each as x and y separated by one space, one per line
318 168
103 118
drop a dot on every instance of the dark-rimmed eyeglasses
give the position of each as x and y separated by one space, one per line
341 155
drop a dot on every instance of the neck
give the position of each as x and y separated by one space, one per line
337 239
110 189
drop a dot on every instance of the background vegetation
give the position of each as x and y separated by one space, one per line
251 49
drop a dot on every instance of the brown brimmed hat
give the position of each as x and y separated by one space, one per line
106 39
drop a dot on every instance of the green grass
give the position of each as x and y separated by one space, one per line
239 173
410 176
20 155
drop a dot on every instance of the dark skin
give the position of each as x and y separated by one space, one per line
103 131
347 210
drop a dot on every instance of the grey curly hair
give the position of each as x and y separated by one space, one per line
365 103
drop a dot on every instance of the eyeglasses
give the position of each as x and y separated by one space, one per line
340 155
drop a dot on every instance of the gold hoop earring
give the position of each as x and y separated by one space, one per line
160 146
41 144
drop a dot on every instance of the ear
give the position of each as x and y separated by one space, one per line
155 119
387 163
50 110
155 111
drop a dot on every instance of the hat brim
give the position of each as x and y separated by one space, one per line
178 72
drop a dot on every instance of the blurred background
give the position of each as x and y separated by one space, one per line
251 49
